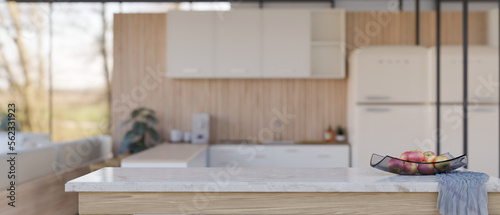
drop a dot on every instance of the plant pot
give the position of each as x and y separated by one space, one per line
340 138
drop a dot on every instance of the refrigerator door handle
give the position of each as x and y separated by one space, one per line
378 109
483 109
484 98
377 97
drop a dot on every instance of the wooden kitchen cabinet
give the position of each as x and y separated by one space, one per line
190 44
238 44
286 39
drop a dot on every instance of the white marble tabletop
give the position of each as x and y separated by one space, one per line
165 154
236 179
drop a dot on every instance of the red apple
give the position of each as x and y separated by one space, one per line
410 168
404 156
441 166
395 165
416 156
426 168
429 156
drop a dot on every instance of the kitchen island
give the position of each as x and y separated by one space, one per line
169 155
236 190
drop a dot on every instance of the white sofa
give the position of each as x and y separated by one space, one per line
51 158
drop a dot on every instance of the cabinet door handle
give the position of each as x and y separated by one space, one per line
483 109
324 156
191 70
227 151
484 98
377 97
378 109
238 71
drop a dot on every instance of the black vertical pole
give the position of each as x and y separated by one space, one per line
400 5
332 3
465 23
261 4
417 8
438 76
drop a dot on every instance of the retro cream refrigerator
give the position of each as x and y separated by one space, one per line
388 96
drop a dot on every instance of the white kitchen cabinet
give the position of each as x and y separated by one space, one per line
390 130
313 156
256 44
391 74
224 155
289 156
190 44
483 143
286 39
482 74
238 44
451 129
483 140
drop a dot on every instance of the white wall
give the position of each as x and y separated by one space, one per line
368 5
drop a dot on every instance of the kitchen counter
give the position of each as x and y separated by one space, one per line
169 155
256 180
235 190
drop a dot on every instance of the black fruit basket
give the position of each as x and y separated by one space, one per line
403 167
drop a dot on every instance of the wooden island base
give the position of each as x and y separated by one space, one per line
92 203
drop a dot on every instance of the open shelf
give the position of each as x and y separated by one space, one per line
328 61
328 44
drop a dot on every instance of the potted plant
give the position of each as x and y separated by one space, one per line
135 140
340 137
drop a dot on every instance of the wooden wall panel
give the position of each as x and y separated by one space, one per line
240 109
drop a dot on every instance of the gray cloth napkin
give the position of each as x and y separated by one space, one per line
462 193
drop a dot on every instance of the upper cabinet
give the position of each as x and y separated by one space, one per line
237 44
256 44
286 43
190 44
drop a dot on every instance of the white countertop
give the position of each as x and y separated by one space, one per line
165 155
254 180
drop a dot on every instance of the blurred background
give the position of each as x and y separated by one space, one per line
82 64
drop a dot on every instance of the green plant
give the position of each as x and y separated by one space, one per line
4 122
340 130
134 140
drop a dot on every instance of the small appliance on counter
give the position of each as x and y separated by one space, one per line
200 128
187 137
176 136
